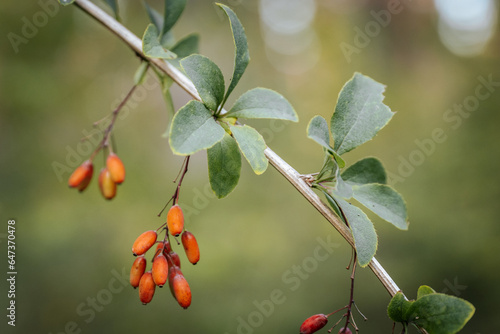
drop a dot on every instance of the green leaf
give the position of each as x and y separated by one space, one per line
154 17
224 166
333 204
342 188
193 129
424 290
398 308
140 73
241 56
66 2
252 145
440 314
173 10
166 82
317 130
365 237
207 78
368 170
359 113
152 47
384 201
263 103
187 46
113 4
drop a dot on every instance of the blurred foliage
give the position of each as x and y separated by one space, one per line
73 72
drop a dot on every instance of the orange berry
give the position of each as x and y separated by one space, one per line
106 184
81 176
144 242
175 258
146 288
313 324
116 168
137 270
191 247
160 270
175 220
181 289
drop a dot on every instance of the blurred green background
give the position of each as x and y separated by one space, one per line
72 249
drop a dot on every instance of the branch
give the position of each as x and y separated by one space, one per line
281 166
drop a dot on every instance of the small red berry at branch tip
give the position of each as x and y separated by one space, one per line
82 175
106 184
345 330
144 242
116 168
190 247
175 220
313 324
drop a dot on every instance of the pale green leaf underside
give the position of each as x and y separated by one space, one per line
263 103
207 78
66 2
224 166
318 131
173 10
242 56
152 47
359 113
368 170
193 129
384 201
365 237
440 314
252 145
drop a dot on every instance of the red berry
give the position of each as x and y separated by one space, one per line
313 324
144 242
116 168
345 330
180 287
146 288
175 220
137 270
81 176
106 184
190 247
160 270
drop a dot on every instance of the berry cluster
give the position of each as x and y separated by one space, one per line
110 176
166 264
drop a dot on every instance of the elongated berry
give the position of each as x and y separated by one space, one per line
345 330
146 288
182 291
190 247
137 270
313 324
144 242
116 168
106 184
175 220
81 176
173 256
160 270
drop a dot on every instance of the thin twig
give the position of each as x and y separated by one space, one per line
278 163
